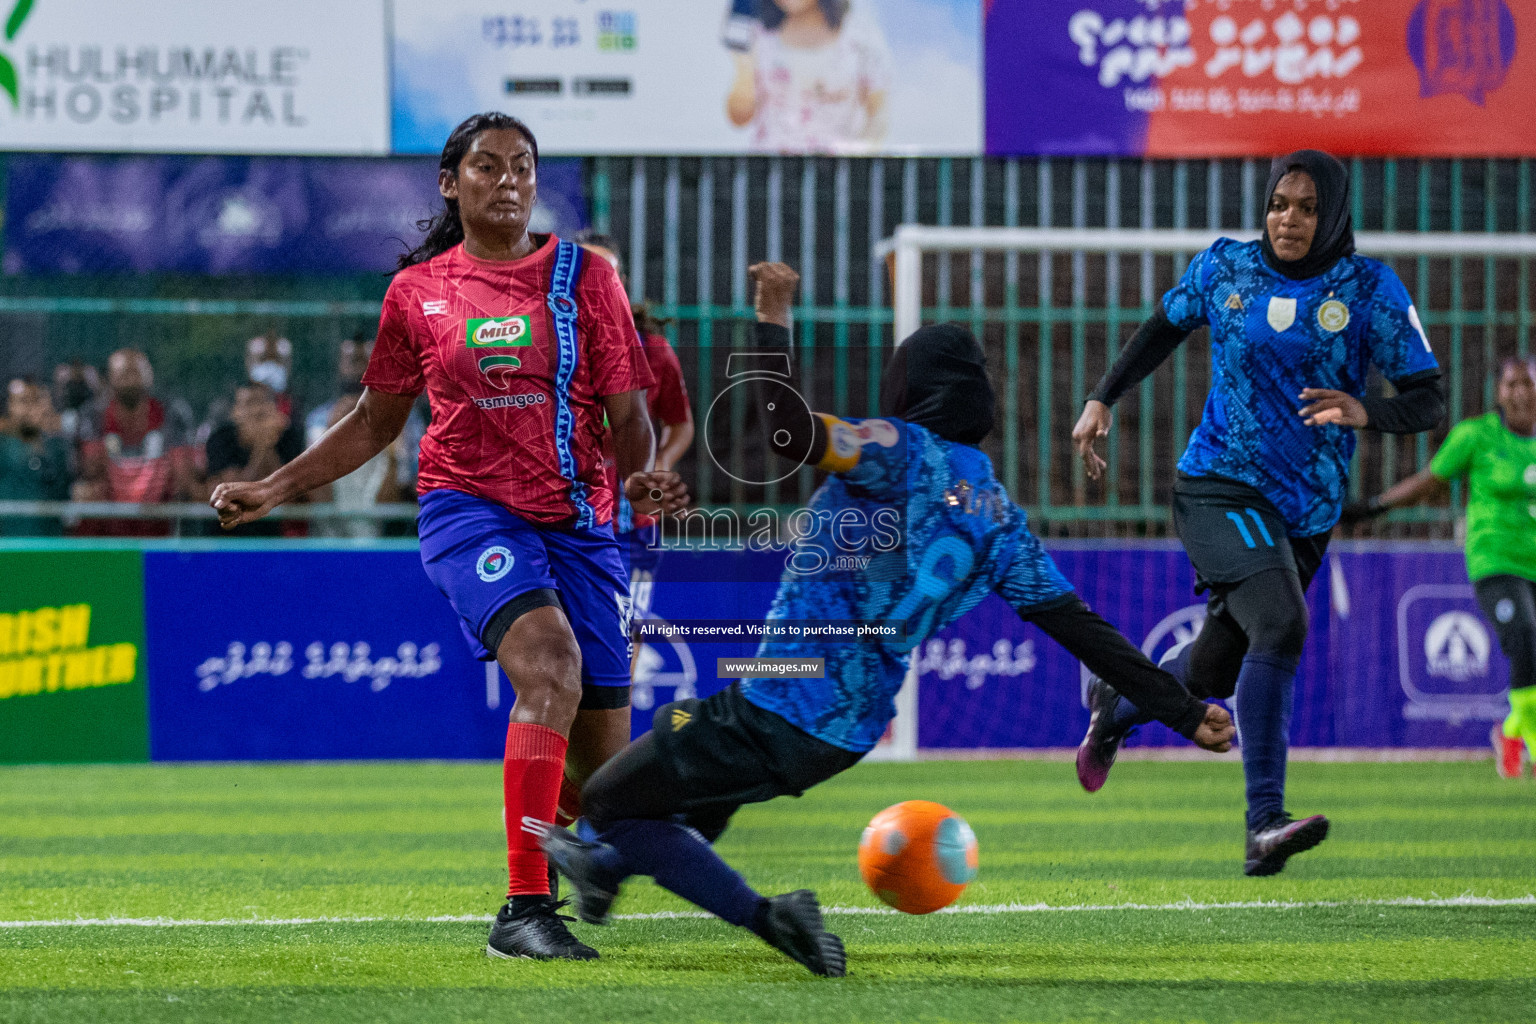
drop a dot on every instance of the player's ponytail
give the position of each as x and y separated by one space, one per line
445 230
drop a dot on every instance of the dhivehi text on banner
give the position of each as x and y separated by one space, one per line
1258 77
659 76
217 76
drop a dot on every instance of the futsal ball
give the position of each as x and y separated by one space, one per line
918 856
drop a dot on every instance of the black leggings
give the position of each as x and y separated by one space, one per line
1264 614
1509 602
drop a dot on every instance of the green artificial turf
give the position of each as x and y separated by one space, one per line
256 845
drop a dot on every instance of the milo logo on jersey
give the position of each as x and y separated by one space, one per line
498 332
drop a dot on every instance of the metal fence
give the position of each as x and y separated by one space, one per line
1051 321
690 226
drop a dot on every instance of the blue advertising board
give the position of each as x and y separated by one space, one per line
310 654
352 653
236 215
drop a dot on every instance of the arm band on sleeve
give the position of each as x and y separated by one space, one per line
1153 342
1419 405
791 433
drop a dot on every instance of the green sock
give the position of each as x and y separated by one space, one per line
1522 716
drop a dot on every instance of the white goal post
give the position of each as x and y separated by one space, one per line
910 242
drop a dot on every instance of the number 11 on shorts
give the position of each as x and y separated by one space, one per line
1242 528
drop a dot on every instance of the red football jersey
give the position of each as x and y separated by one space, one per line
667 402
479 338
668 397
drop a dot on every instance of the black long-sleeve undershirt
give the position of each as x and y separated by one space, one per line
1419 404
1153 342
791 433
1106 653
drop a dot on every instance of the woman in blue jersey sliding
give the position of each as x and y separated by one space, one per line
1297 318
912 491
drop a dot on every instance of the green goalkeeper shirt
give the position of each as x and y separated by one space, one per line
1500 468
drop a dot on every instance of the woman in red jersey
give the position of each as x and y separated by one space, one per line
522 342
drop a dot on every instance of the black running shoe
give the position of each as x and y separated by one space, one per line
1096 754
572 857
1271 846
793 926
535 931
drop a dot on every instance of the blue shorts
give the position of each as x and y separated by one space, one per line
481 556
641 550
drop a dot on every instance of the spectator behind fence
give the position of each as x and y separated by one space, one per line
375 481
269 361
351 360
135 447
257 438
75 386
35 460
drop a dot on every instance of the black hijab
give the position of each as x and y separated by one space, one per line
1335 238
938 380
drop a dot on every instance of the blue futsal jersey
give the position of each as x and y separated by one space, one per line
939 533
1270 338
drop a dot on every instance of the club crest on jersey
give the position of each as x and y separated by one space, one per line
498 332
1333 316
494 563
1282 312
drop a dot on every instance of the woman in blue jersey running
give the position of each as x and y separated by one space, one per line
1296 320
912 489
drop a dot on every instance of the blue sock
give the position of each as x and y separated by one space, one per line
682 862
1265 688
1127 716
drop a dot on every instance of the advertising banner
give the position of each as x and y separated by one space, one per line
353 654
284 76
72 656
311 654
657 76
229 215
1397 653
1260 77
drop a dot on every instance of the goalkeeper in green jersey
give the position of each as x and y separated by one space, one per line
1496 455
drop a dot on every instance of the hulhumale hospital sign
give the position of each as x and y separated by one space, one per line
213 77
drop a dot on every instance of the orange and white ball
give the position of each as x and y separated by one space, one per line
918 856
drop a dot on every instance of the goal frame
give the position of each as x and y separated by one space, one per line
907 246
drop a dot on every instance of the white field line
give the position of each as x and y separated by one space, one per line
1529 900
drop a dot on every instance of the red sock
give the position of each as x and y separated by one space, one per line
531 774
570 802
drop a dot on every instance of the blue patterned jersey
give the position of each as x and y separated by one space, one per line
1270 338
939 533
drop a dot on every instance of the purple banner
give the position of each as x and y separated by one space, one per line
235 215
1397 654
